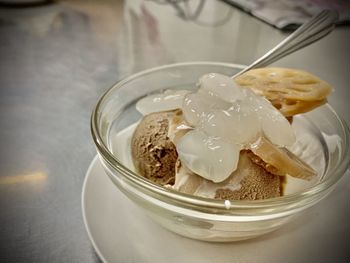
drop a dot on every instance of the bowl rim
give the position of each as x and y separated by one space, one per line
202 202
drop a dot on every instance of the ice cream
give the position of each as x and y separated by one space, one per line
249 182
153 153
155 157
224 141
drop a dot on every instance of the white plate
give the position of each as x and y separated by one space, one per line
121 232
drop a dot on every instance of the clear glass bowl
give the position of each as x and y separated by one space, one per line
202 218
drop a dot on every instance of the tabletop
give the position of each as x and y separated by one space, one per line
58 57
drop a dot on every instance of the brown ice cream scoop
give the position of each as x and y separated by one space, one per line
154 155
257 183
249 182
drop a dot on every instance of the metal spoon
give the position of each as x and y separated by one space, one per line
316 28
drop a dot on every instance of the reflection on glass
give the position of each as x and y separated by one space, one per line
168 31
197 11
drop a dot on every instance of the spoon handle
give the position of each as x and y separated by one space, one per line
316 28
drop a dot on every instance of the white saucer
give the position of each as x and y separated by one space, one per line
121 232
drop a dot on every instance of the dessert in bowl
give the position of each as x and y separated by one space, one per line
192 197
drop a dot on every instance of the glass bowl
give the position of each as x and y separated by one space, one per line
203 218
